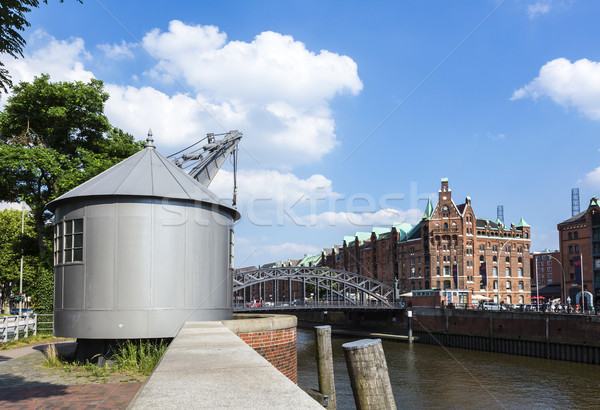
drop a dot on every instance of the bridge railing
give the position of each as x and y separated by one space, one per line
322 304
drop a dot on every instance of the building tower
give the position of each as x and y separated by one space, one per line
575 201
500 213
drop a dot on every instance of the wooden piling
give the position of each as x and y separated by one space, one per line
368 373
325 364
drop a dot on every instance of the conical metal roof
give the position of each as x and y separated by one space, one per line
145 174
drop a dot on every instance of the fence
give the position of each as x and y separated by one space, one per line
45 323
12 326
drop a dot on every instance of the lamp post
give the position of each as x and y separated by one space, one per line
564 286
21 273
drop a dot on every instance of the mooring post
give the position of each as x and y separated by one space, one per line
410 326
325 364
368 373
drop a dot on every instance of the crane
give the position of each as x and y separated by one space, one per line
209 158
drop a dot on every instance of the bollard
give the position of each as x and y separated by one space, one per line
368 373
325 364
410 326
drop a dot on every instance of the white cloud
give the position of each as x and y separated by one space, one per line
272 68
592 178
351 220
538 9
117 51
270 186
272 89
62 59
568 84
289 250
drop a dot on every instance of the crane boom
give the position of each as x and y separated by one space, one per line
210 158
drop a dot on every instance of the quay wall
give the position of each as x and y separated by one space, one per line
271 336
570 337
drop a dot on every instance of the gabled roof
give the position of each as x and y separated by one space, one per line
415 232
577 218
381 231
461 209
144 174
522 224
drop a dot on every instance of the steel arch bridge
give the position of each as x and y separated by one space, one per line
304 287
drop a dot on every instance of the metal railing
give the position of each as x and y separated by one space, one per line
13 326
46 323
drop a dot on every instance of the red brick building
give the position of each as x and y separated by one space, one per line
579 236
450 248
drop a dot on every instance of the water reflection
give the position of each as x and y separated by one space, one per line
425 376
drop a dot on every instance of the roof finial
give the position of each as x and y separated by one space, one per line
149 140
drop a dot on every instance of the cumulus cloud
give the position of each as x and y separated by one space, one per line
117 51
272 68
350 220
592 178
263 186
569 84
62 59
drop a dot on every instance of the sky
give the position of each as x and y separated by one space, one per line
351 111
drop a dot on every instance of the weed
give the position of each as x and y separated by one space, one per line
139 357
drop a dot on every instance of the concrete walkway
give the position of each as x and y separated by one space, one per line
208 367
26 384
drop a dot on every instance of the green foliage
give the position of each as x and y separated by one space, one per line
141 357
11 243
53 137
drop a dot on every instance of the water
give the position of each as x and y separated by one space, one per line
426 376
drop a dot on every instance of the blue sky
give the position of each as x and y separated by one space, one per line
351 111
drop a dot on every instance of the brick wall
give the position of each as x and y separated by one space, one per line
278 347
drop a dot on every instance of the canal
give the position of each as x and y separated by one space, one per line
426 376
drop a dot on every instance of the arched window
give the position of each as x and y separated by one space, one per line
520 285
447 284
508 299
521 299
520 272
445 225
508 259
520 260
437 270
495 285
437 284
495 271
507 271
495 259
508 285
426 284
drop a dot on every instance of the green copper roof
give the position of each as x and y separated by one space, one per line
522 224
402 226
428 209
444 179
381 231
362 236
348 240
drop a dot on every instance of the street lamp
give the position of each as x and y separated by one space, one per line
564 286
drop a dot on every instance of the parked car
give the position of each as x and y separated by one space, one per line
24 312
490 306
299 302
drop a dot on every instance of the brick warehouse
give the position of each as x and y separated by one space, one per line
448 249
580 235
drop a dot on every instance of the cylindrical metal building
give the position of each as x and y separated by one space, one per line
139 250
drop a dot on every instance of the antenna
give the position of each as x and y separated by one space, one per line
575 201
500 213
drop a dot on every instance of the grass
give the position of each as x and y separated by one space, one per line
23 341
130 359
139 357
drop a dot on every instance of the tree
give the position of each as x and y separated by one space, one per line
12 21
12 245
53 137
